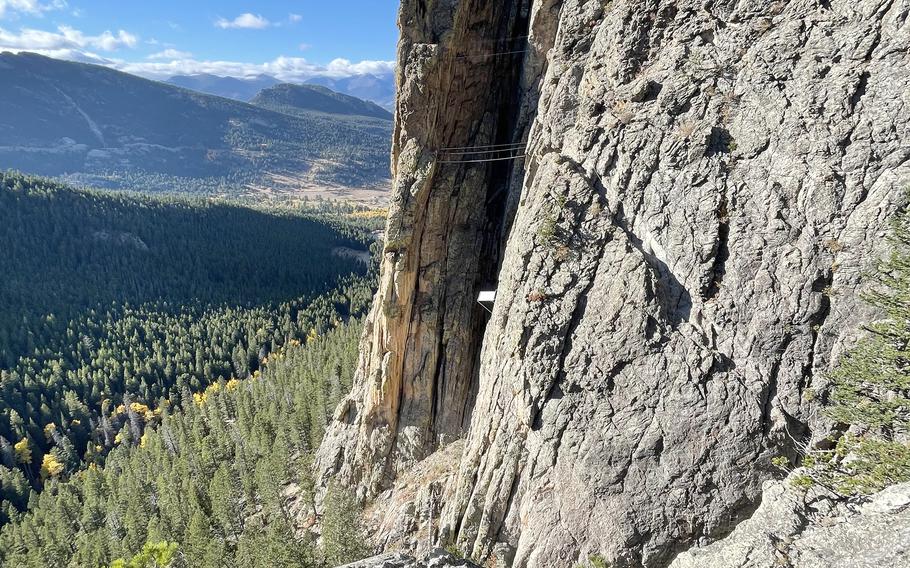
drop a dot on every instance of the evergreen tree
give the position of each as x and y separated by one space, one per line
227 480
342 532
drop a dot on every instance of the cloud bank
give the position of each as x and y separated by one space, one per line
65 38
170 54
294 69
170 62
71 44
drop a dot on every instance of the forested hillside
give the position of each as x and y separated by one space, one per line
116 311
224 483
68 251
104 127
316 98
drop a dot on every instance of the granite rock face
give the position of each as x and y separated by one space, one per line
810 530
704 187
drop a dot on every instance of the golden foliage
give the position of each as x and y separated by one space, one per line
23 451
370 214
51 466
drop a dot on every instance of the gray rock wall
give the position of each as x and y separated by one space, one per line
797 529
706 184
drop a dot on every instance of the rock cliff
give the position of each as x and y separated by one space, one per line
417 377
800 529
677 261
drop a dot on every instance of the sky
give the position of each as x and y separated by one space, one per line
291 39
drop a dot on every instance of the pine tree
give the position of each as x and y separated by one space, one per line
342 531
197 538
225 504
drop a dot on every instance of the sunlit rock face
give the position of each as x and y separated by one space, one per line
677 261
808 529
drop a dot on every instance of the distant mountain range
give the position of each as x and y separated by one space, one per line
229 87
92 123
379 89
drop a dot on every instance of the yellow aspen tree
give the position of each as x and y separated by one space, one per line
23 451
50 467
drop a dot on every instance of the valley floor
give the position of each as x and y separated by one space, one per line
295 189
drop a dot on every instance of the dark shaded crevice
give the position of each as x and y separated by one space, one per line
822 285
439 386
652 91
611 375
860 90
768 396
719 142
721 250
502 174
499 176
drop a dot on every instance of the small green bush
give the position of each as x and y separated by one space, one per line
594 561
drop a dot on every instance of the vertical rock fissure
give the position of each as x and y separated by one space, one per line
722 252
501 176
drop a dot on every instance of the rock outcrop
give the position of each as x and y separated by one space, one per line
436 559
704 187
797 529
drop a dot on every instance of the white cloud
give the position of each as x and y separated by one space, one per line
170 54
343 68
295 18
243 21
33 7
110 42
65 38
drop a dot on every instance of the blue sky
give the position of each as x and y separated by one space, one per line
292 40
